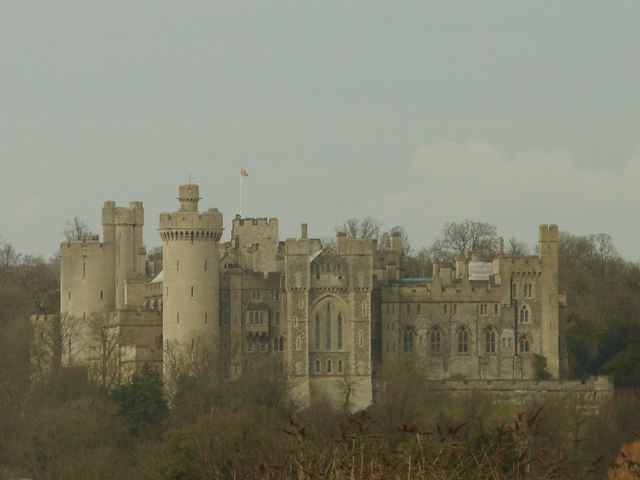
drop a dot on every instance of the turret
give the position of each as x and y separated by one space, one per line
549 328
191 266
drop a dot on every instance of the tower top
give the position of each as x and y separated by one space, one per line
188 195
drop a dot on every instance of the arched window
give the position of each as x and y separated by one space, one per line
490 340
340 325
317 366
264 342
328 324
329 366
249 343
523 345
435 340
281 344
275 344
407 340
340 366
317 339
524 314
463 340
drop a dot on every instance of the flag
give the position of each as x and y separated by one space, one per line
243 172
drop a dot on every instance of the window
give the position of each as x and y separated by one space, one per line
418 309
191 292
178 318
340 366
496 309
317 366
360 338
436 337
298 344
177 265
328 324
528 290
84 270
463 340
206 319
281 344
275 344
490 340
249 343
317 339
101 294
445 309
454 308
524 314
483 309
205 265
514 290
523 345
340 324
277 317
264 343
407 340
329 366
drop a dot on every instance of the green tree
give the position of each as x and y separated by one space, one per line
141 403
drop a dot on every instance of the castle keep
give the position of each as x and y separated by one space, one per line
325 317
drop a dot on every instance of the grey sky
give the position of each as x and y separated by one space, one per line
412 112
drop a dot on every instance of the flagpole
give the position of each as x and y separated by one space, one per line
241 190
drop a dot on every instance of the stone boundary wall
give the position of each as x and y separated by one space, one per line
586 394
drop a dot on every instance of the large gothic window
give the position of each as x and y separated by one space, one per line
524 314
523 345
328 326
490 340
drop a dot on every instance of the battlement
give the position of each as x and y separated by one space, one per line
255 222
210 220
82 247
549 233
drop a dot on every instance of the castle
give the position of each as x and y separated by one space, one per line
323 316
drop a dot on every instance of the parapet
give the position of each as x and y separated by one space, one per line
549 233
255 222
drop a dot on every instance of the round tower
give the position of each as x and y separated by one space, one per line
191 272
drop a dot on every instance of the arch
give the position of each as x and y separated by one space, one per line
490 335
524 345
329 366
524 314
435 340
462 338
408 335
330 317
317 366
340 366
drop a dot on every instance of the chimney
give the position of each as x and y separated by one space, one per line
303 230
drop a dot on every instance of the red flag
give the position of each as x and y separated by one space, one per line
243 172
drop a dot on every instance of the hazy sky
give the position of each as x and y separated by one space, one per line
415 113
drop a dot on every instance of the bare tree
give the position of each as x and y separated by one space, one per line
516 248
367 227
9 257
54 343
76 229
468 236
103 344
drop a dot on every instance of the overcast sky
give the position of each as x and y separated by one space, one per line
415 113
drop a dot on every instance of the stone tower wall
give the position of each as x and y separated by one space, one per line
191 304
549 298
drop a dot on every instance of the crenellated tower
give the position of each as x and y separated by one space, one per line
191 277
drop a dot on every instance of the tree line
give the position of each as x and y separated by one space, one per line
72 426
